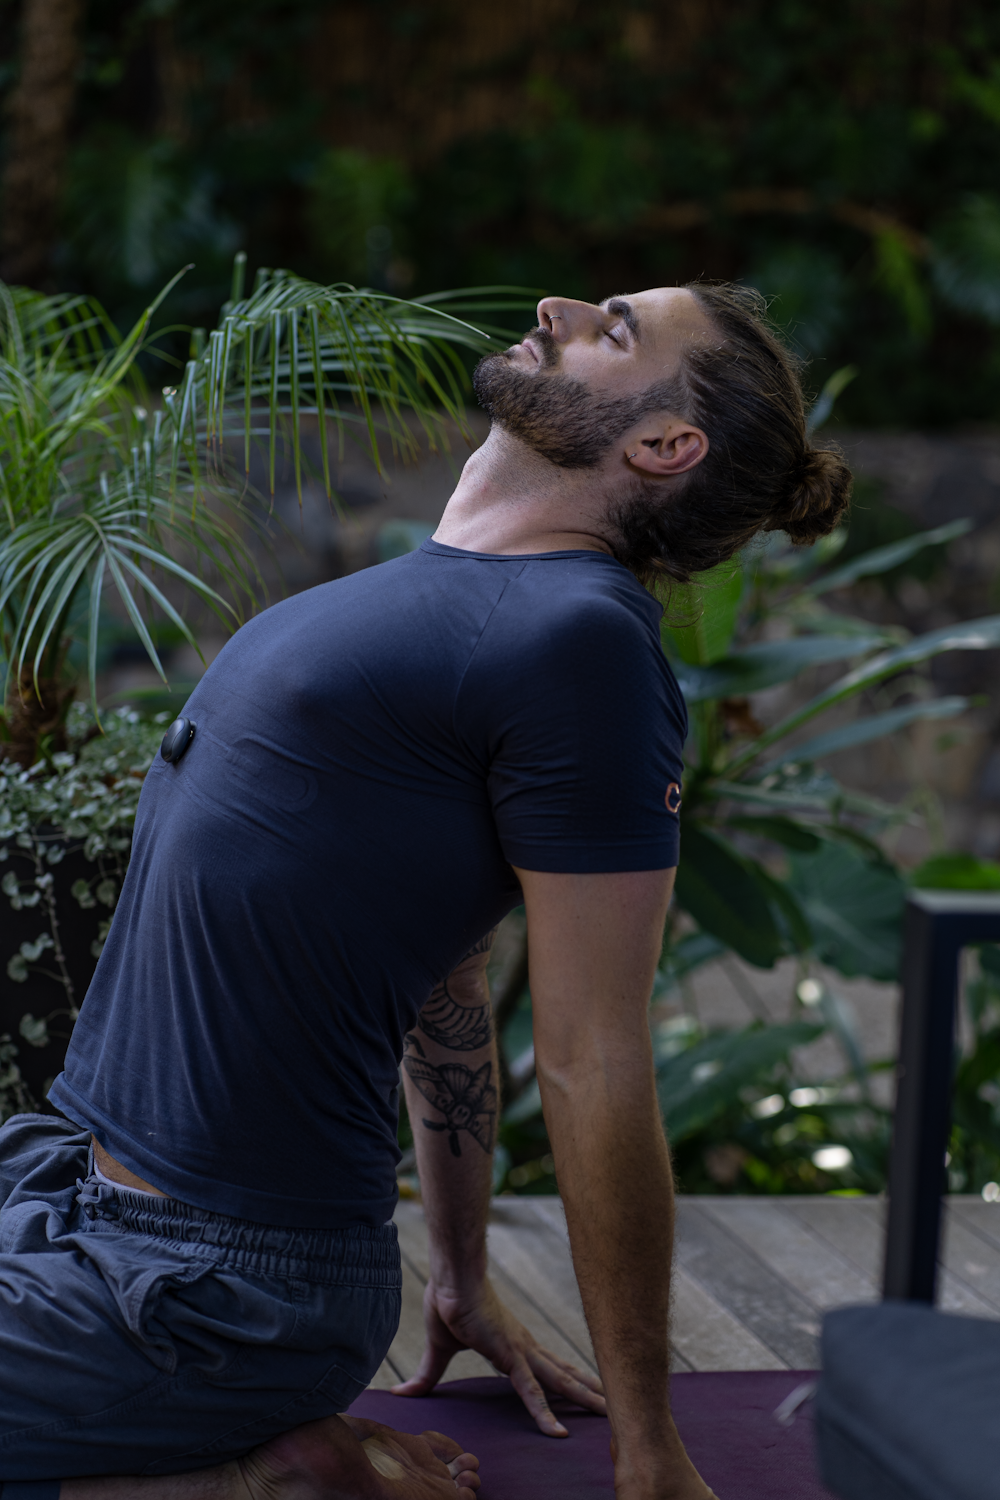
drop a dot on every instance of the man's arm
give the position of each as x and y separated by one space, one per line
450 1076
593 942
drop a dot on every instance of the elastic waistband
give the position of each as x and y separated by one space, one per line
361 1254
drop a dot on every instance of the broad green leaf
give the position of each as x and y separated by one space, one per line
712 601
882 559
783 831
768 663
790 919
699 1084
804 796
854 907
721 890
872 728
968 635
957 872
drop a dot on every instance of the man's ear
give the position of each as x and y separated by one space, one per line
677 448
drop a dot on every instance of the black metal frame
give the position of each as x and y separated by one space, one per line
939 924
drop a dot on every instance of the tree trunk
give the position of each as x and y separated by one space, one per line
35 722
40 110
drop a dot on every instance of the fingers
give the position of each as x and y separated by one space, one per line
563 1379
592 1382
523 1380
433 1364
537 1372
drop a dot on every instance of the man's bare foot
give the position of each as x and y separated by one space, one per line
348 1458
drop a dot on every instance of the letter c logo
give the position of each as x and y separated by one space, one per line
673 798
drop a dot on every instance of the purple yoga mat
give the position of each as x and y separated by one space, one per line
726 1420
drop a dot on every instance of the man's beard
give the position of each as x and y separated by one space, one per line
560 418
563 421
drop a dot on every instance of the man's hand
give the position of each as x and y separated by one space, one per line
480 1321
453 1044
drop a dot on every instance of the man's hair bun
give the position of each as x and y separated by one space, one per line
761 473
820 495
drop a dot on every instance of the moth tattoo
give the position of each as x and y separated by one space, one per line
465 1096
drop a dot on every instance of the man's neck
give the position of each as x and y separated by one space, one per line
510 500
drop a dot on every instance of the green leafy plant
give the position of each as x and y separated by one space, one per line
778 857
739 1113
974 1148
95 485
82 802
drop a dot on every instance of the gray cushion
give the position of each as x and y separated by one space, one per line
909 1404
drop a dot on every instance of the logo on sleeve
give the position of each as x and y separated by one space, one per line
673 798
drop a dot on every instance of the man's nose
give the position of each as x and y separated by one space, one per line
563 317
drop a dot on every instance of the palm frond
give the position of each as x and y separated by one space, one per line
91 489
295 349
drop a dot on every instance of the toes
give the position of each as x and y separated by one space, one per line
464 1463
447 1450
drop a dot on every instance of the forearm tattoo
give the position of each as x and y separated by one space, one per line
460 1028
465 1096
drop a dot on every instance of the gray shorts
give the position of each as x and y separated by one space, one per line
141 1336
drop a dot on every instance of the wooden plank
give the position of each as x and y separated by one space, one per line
706 1336
468 1365
534 1278
973 1259
793 1251
857 1235
529 1240
855 1227
782 1320
544 1207
407 1347
532 1259
412 1230
982 1218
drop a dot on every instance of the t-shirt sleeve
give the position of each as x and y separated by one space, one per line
583 726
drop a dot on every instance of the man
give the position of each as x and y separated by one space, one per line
381 768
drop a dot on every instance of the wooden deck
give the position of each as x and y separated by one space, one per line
753 1277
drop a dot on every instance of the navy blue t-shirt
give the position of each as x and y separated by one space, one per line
371 758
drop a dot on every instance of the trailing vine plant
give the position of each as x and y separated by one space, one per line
81 801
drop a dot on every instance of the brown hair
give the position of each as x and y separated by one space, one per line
761 472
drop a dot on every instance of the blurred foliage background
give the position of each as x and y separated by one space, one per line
844 159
